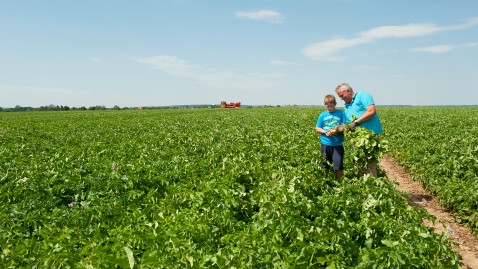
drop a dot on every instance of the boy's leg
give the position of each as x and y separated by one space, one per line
327 155
338 160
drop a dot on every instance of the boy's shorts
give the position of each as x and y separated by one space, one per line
334 155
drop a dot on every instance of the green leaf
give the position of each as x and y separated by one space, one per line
424 235
390 243
129 253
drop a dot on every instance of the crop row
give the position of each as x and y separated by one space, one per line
439 146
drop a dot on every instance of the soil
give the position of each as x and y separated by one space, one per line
467 244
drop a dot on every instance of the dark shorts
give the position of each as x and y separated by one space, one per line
334 155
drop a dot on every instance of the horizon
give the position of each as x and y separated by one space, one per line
53 107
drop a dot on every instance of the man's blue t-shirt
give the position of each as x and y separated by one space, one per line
358 106
329 120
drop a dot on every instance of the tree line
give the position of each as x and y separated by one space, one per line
19 108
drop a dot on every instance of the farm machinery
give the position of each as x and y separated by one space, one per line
224 104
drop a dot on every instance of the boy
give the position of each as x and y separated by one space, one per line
331 136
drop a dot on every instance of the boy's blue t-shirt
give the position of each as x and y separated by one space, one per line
329 120
358 106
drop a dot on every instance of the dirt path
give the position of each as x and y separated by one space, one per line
467 243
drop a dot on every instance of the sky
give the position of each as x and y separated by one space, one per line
257 52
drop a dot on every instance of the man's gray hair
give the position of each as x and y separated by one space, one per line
346 87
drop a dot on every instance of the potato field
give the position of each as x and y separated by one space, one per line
439 146
224 188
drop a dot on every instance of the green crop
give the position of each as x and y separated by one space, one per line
438 145
365 147
202 188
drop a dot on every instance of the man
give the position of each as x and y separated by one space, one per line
362 106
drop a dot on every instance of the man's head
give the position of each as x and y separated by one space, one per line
345 92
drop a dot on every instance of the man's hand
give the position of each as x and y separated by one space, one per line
353 125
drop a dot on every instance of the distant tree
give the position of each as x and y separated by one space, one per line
18 108
116 107
97 107
52 107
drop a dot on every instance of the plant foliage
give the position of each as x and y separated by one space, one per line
203 188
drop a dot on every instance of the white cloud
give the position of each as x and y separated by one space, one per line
270 16
173 65
212 78
401 31
327 50
435 49
469 23
471 45
444 48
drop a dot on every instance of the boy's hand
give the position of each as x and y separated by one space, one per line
332 132
340 128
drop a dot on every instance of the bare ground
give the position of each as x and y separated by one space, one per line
467 244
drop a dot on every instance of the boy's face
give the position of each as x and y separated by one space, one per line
330 107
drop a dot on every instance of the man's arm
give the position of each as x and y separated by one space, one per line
369 112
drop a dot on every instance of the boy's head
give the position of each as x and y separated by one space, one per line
330 102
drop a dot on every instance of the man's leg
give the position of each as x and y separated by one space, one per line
372 168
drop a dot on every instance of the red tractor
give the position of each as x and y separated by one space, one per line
230 105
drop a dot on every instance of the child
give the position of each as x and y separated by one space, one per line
332 139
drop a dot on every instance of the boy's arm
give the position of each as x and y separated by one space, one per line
320 130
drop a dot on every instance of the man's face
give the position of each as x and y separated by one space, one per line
345 95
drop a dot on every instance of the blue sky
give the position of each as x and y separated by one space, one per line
170 52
